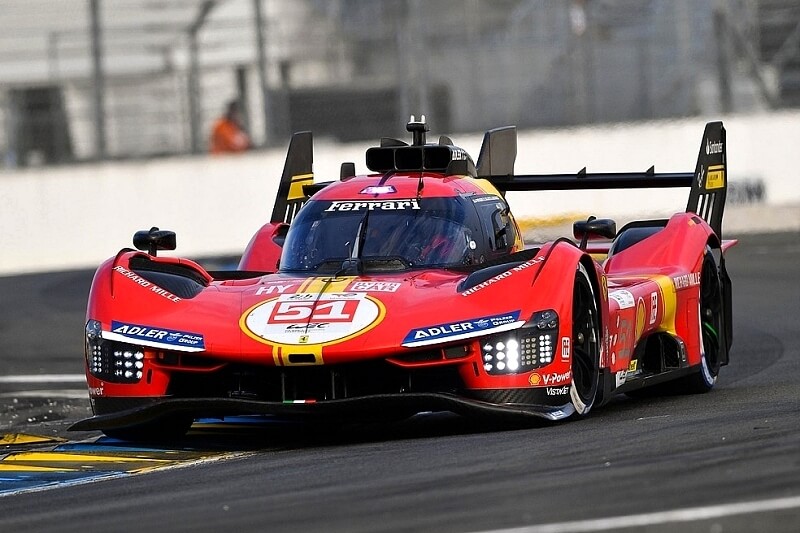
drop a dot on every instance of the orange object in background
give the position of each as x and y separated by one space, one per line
227 134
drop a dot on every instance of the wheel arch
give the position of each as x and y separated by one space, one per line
600 290
715 246
596 276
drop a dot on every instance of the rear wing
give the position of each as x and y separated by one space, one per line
708 183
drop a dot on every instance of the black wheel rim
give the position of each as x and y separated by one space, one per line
710 316
585 360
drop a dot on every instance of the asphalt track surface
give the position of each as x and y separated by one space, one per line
719 462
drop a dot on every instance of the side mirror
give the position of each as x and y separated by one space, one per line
500 223
347 170
594 228
153 240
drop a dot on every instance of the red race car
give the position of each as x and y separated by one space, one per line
409 290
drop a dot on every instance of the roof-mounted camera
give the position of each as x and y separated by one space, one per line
417 129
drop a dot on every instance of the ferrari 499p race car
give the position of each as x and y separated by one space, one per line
410 290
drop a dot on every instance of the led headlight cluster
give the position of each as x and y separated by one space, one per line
537 349
501 356
115 362
525 349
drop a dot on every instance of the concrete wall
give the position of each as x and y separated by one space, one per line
76 216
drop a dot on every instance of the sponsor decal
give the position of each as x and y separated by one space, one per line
461 329
503 275
633 365
274 288
458 154
653 307
301 297
565 348
96 391
621 341
482 199
623 298
529 263
686 280
640 318
556 378
305 326
484 284
134 277
700 174
604 284
713 147
621 377
373 205
296 188
148 335
294 319
716 177
557 391
374 286
551 379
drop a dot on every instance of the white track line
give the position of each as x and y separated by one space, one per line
44 378
62 394
691 514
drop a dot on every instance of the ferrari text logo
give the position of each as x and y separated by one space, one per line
372 206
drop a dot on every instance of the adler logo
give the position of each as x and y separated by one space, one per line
713 147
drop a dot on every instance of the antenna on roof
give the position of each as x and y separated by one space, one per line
418 130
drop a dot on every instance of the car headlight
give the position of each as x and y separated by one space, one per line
111 361
527 348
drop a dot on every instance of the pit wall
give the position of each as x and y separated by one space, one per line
77 216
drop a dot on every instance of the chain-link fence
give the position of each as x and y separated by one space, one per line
355 69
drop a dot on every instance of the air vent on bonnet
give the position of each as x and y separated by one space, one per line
182 281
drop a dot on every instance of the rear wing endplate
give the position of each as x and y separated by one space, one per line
710 184
297 172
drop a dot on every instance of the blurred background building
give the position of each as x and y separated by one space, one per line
100 79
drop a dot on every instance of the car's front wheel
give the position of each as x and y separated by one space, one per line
585 344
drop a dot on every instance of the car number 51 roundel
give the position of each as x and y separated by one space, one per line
301 319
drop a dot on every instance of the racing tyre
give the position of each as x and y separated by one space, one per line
711 329
585 344
163 430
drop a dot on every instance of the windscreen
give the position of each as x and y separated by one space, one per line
385 235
